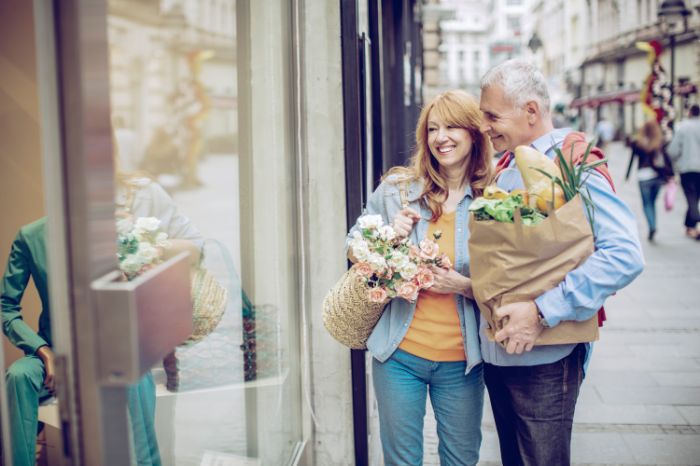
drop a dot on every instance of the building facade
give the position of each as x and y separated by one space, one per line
473 36
589 55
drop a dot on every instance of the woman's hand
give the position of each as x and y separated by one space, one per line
449 281
404 221
46 355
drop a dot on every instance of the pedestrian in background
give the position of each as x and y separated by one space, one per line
653 168
684 150
604 131
432 345
534 389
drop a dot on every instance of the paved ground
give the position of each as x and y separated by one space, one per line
640 403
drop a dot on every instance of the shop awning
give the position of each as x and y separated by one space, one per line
623 97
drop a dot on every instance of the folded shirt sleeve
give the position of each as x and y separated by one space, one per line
14 282
616 261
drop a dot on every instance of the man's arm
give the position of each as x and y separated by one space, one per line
14 282
617 261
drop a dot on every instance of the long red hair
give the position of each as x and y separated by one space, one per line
456 108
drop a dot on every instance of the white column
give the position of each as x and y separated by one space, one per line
325 226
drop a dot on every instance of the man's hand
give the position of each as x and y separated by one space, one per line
522 326
451 281
47 357
404 221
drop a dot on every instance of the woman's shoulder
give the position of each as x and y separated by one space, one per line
399 177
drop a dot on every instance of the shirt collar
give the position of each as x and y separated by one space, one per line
547 142
468 191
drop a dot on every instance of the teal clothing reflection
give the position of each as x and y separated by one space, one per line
25 377
141 400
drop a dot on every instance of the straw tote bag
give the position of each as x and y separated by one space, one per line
209 299
348 314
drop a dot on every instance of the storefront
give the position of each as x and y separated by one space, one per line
222 118
182 111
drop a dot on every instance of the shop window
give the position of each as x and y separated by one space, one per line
219 150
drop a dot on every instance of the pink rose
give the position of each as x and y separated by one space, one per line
425 278
408 291
364 269
377 295
428 249
444 261
413 251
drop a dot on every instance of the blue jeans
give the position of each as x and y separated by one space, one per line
401 384
533 407
650 191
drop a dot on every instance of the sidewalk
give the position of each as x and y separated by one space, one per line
640 403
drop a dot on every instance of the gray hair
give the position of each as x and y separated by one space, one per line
521 81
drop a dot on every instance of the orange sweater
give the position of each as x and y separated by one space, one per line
435 332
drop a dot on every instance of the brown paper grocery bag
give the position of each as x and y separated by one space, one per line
512 262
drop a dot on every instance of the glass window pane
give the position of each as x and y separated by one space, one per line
209 157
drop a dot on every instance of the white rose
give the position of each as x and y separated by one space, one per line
360 250
398 260
370 222
148 252
408 271
147 223
376 261
130 265
387 233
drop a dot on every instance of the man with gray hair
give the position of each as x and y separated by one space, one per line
533 389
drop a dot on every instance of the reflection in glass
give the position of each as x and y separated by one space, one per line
234 393
30 379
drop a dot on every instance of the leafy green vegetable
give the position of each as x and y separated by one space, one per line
503 210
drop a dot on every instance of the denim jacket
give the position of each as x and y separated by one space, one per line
398 314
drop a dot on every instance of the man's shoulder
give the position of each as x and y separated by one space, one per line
690 125
35 229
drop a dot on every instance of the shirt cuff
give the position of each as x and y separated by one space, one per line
33 344
553 306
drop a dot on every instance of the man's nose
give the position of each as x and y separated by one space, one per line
484 127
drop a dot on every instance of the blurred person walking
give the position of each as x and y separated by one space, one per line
604 131
653 168
684 150
432 345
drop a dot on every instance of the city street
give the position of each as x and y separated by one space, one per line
640 403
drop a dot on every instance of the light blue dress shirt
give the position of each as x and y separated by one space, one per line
617 260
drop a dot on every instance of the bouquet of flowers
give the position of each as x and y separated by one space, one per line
140 245
390 266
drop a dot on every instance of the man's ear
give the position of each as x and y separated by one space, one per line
532 109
